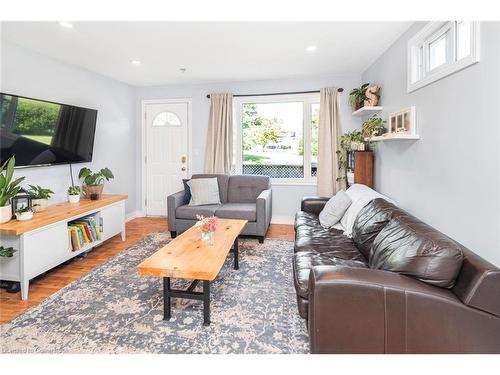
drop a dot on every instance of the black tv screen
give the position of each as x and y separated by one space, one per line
39 132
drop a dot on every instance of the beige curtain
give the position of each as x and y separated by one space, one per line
328 143
219 150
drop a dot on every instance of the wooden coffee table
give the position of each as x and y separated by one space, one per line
187 257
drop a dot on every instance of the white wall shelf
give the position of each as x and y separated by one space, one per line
367 111
395 137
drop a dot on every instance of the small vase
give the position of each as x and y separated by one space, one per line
39 205
74 198
207 237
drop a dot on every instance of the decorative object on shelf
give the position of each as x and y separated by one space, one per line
24 213
403 121
74 194
207 226
93 183
373 127
357 96
372 96
22 199
7 252
8 189
39 197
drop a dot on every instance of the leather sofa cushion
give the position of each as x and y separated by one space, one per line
304 261
332 241
410 247
242 211
306 219
190 212
370 221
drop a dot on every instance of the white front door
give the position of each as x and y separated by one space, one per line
166 153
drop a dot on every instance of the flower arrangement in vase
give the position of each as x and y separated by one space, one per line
207 226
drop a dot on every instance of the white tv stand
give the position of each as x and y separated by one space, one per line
42 243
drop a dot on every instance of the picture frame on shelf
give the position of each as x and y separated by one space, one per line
403 122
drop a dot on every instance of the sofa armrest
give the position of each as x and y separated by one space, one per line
264 211
313 204
360 310
173 201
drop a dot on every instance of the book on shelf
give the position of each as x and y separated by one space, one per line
81 232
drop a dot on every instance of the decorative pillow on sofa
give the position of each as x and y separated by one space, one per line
360 196
334 209
187 191
204 191
410 247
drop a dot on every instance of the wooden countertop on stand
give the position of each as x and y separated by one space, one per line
58 212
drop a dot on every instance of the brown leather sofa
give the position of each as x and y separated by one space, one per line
398 286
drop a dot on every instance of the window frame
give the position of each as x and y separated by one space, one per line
307 101
418 58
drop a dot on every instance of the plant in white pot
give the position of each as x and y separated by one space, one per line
74 194
39 197
24 213
8 188
93 182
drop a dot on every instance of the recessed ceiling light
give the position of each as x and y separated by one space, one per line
66 24
135 62
311 48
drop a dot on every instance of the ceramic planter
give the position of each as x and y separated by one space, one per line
23 216
39 205
74 198
5 213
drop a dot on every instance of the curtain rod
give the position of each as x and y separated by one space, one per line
340 89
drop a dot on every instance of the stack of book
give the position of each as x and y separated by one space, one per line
82 232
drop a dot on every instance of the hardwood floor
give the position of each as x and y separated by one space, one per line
44 286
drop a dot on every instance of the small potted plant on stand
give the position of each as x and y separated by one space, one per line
24 213
74 194
39 197
93 182
8 189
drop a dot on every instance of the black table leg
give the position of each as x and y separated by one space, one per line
166 298
206 303
235 252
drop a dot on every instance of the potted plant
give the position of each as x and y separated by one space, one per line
74 194
93 182
357 97
349 141
39 197
24 213
373 127
7 252
8 189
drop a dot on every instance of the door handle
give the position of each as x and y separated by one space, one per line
183 169
183 159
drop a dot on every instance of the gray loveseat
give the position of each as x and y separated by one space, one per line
245 197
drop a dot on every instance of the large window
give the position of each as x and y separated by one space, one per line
440 49
277 136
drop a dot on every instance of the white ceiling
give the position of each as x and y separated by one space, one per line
210 51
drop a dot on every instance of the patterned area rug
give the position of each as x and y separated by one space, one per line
113 310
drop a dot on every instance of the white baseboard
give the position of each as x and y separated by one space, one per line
283 219
133 215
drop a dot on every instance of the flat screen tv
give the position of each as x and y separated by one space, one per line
39 132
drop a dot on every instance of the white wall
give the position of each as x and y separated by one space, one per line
451 177
27 73
286 199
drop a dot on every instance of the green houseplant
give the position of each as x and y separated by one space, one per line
24 213
74 194
373 127
93 182
8 188
357 96
39 197
348 142
7 252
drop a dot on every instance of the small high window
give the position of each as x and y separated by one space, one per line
440 49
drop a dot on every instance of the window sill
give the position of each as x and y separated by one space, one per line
292 182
